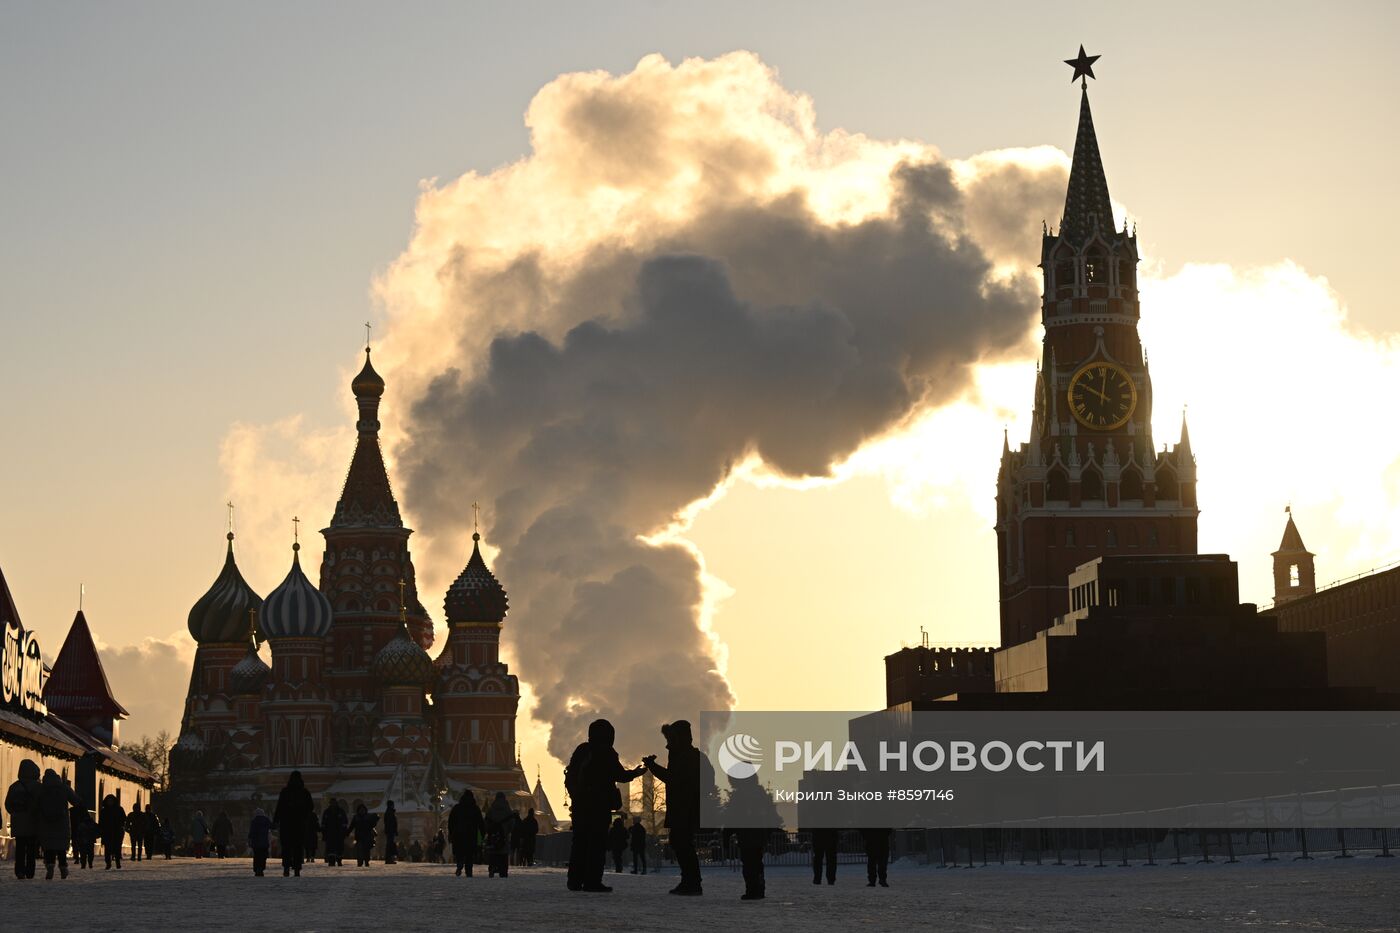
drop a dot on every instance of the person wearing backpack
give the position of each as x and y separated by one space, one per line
55 796
591 779
22 803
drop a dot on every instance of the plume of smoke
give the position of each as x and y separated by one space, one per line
684 276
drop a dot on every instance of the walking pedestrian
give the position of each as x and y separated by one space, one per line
877 856
752 818
500 821
84 835
136 830
391 834
199 833
617 842
334 824
637 837
362 830
55 797
529 831
111 824
824 845
259 840
22 803
294 806
222 834
465 825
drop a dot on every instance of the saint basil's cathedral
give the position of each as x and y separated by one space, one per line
352 698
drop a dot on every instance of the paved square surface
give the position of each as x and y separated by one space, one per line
1324 895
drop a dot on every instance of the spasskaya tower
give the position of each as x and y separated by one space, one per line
1090 481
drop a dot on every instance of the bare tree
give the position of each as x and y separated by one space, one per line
153 754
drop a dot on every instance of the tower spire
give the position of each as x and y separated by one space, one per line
1086 200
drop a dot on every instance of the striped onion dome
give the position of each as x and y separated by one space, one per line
250 674
221 615
476 595
402 662
296 609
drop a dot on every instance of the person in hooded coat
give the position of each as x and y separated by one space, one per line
617 842
111 824
529 831
689 777
334 823
55 797
391 834
259 840
465 824
294 807
362 829
22 803
222 833
591 779
136 830
500 821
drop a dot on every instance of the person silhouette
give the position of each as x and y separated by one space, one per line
877 856
500 826
22 803
465 825
617 842
591 779
688 777
752 819
294 808
391 834
637 838
529 830
824 844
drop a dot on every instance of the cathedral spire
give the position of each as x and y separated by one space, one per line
1086 201
367 498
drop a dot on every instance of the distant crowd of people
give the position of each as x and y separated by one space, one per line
47 816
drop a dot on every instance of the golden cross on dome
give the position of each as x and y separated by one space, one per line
296 530
230 515
403 610
476 517
368 327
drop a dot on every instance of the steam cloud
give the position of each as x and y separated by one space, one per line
684 276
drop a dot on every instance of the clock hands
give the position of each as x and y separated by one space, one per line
1089 388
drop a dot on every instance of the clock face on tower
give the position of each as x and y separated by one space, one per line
1102 396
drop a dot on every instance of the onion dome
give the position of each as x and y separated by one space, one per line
368 382
296 609
221 615
250 674
402 662
476 595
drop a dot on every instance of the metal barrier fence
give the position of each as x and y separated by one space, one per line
971 848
